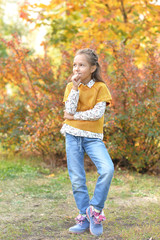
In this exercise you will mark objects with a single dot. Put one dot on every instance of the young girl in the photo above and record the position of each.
(86, 97)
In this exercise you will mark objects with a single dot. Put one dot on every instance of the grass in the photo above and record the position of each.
(36, 203)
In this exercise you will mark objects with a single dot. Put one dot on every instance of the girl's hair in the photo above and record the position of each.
(93, 60)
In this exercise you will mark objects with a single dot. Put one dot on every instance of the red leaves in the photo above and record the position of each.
(23, 15)
(134, 135)
(40, 92)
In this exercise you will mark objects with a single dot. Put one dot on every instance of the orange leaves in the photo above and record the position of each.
(50, 175)
(23, 11)
(133, 135)
(110, 12)
(23, 15)
(135, 23)
(34, 110)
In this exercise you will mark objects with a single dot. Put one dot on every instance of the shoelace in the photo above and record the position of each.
(98, 217)
(80, 219)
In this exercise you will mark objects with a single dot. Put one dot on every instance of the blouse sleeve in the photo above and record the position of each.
(92, 114)
(72, 102)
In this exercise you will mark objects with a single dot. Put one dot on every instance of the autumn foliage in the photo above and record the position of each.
(132, 126)
(124, 34)
(133, 23)
(32, 115)
(31, 118)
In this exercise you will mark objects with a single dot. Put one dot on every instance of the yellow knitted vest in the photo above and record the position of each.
(88, 98)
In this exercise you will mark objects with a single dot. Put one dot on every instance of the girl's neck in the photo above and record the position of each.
(86, 81)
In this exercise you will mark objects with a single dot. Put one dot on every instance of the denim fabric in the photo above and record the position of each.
(96, 150)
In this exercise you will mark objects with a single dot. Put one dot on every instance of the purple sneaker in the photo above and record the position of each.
(95, 219)
(81, 226)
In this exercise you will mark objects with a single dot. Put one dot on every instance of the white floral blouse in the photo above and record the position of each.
(90, 115)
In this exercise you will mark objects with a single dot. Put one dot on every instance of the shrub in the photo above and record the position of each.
(31, 116)
(132, 126)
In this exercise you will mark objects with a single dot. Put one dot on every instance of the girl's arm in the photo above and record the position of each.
(72, 102)
(92, 114)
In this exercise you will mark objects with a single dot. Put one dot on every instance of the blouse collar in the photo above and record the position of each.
(89, 84)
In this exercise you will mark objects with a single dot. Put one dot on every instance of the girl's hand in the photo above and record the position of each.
(68, 116)
(76, 81)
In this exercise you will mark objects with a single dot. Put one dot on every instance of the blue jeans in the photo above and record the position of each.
(96, 150)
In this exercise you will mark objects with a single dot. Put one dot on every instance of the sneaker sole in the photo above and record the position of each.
(78, 232)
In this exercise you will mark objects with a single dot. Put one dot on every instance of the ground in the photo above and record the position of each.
(37, 204)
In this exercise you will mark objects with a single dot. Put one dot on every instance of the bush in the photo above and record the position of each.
(132, 127)
(31, 116)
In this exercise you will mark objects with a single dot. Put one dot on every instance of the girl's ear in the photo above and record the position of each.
(93, 68)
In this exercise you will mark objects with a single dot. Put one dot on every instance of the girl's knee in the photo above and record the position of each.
(112, 170)
(77, 182)
(107, 170)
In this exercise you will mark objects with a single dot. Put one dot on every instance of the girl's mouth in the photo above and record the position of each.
(78, 74)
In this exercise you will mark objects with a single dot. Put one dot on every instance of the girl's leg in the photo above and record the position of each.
(98, 153)
(75, 163)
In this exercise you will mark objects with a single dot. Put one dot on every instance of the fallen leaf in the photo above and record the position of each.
(50, 176)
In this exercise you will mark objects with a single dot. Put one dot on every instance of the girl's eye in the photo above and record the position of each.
(80, 65)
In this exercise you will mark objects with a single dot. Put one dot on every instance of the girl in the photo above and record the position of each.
(85, 100)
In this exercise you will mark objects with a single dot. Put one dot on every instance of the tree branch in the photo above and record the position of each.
(123, 12)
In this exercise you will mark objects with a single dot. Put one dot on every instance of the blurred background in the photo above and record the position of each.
(38, 40)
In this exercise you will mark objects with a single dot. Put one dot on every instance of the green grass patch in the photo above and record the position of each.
(37, 203)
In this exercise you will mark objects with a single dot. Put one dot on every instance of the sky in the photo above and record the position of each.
(11, 15)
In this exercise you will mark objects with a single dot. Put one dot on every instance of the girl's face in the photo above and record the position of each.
(83, 68)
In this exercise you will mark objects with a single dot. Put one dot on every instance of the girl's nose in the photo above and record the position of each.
(77, 67)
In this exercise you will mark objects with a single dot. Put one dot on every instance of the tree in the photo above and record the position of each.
(133, 23)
